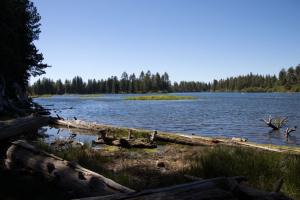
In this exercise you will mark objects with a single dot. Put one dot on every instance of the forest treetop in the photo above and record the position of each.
(287, 80)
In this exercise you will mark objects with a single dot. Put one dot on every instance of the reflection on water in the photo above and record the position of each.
(51, 134)
(212, 114)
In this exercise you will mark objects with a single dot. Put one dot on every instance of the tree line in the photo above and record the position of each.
(145, 82)
(287, 80)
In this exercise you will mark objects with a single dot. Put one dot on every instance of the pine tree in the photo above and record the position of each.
(19, 57)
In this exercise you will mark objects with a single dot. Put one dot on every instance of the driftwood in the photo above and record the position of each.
(278, 184)
(192, 140)
(155, 136)
(127, 143)
(216, 188)
(102, 131)
(11, 128)
(133, 143)
(277, 123)
(185, 139)
(79, 124)
(288, 131)
(69, 176)
(192, 178)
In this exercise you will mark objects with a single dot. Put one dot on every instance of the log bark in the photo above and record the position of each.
(176, 138)
(102, 130)
(191, 140)
(69, 176)
(132, 143)
(182, 139)
(278, 184)
(11, 128)
(216, 188)
(79, 124)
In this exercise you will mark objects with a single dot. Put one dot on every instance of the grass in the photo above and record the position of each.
(129, 167)
(160, 97)
(135, 168)
(90, 96)
(41, 96)
(262, 168)
(85, 155)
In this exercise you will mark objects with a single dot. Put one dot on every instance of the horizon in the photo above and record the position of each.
(153, 73)
(194, 41)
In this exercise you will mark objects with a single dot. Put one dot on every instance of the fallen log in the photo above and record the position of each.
(175, 138)
(216, 188)
(192, 140)
(79, 124)
(181, 139)
(102, 130)
(14, 127)
(69, 176)
(132, 143)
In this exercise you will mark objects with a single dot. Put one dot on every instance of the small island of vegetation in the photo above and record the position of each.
(90, 96)
(160, 97)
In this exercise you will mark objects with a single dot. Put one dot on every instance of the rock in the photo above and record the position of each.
(98, 141)
(239, 139)
(121, 142)
(160, 164)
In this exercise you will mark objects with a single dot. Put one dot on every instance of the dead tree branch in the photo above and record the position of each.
(288, 131)
(276, 123)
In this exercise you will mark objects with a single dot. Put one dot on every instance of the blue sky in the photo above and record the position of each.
(190, 39)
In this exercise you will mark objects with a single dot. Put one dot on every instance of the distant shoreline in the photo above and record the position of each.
(92, 95)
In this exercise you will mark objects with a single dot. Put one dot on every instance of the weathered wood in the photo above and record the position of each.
(78, 124)
(153, 136)
(129, 135)
(192, 178)
(132, 143)
(175, 138)
(236, 139)
(276, 126)
(11, 128)
(102, 131)
(180, 139)
(69, 176)
(288, 131)
(193, 140)
(216, 188)
(278, 184)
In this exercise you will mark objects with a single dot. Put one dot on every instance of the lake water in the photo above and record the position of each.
(211, 114)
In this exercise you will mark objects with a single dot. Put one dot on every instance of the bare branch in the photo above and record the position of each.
(276, 123)
(288, 131)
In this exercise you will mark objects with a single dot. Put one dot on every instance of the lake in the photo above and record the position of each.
(211, 114)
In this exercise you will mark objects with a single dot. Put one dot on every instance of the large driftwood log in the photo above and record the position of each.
(71, 177)
(11, 128)
(102, 130)
(132, 143)
(216, 188)
(182, 139)
(79, 124)
(174, 138)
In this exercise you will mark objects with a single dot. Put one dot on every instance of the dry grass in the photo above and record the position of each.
(137, 168)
